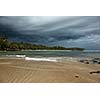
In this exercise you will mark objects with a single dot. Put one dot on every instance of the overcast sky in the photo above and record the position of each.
(68, 31)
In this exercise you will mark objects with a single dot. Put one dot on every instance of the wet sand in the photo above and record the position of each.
(21, 71)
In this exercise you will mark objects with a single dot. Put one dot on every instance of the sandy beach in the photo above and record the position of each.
(21, 71)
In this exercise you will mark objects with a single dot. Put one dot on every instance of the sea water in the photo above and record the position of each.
(51, 54)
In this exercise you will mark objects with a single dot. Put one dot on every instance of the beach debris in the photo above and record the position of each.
(94, 72)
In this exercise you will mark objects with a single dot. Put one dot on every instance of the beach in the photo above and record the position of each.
(19, 70)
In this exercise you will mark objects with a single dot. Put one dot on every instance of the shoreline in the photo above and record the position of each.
(40, 58)
(49, 58)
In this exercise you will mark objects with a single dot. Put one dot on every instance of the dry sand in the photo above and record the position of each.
(21, 71)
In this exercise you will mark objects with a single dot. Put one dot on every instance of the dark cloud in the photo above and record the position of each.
(65, 31)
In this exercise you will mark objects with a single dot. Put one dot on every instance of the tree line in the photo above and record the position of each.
(6, 45)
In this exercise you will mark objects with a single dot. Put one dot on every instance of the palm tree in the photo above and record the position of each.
(4, 43)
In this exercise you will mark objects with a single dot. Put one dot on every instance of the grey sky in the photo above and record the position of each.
(68, 31)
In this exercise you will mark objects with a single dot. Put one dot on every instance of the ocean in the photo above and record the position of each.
(53, 54)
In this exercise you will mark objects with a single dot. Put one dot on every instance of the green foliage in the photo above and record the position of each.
(15, 46)
(4, 44)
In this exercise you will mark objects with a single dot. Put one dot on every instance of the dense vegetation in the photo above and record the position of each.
(6, 45)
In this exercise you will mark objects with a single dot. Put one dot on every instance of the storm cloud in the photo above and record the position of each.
(68, 31)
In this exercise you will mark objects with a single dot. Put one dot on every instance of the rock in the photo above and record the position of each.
(98, 62)
(98, 72)
(93, 61)
(94, 72)
(82, 61)
(86, 61)
(91, 72)
(77, 76)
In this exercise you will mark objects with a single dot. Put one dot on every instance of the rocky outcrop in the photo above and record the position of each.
(92, 61)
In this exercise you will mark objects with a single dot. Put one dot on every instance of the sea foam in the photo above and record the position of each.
(18, 56)
(41, 59)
